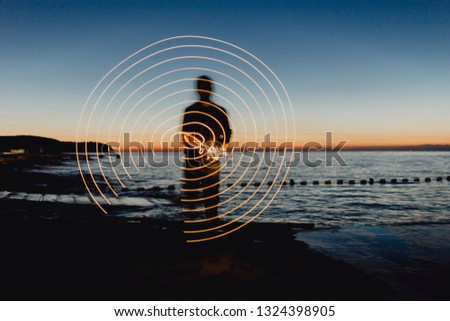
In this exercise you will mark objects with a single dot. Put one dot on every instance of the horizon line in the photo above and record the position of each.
(297, 146)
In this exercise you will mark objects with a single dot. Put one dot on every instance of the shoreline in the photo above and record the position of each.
(70, 250)
(55, 251)
(412, 258)
(109, 258)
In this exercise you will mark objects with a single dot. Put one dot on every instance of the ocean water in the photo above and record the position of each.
(325, 205)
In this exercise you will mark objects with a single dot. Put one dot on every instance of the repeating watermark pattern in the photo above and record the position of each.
(115, 154)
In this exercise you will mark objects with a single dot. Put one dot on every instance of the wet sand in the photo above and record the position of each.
(413, 259)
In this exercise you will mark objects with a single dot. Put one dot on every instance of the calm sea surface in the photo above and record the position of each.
(326, 205)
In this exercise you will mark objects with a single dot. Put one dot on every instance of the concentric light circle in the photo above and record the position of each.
(137, 107)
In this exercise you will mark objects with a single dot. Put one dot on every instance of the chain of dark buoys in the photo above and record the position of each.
(292, 182)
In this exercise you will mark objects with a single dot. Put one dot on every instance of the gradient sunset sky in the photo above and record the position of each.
(373, 72)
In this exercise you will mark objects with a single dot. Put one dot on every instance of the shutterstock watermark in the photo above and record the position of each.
(185, 147)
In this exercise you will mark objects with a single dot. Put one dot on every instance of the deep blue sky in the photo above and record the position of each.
(371, 71)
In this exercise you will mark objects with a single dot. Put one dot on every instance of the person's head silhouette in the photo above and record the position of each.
(204, 87)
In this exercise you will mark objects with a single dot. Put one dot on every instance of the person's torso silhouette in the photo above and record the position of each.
(205, 129)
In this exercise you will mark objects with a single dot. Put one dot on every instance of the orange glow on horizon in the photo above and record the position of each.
(354, 140)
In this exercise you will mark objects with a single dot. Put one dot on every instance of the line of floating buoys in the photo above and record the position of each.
(370, 181)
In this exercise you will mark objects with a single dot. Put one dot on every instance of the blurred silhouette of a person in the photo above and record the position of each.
(206, 131)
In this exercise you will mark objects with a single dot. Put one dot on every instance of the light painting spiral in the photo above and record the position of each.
(137, 108)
